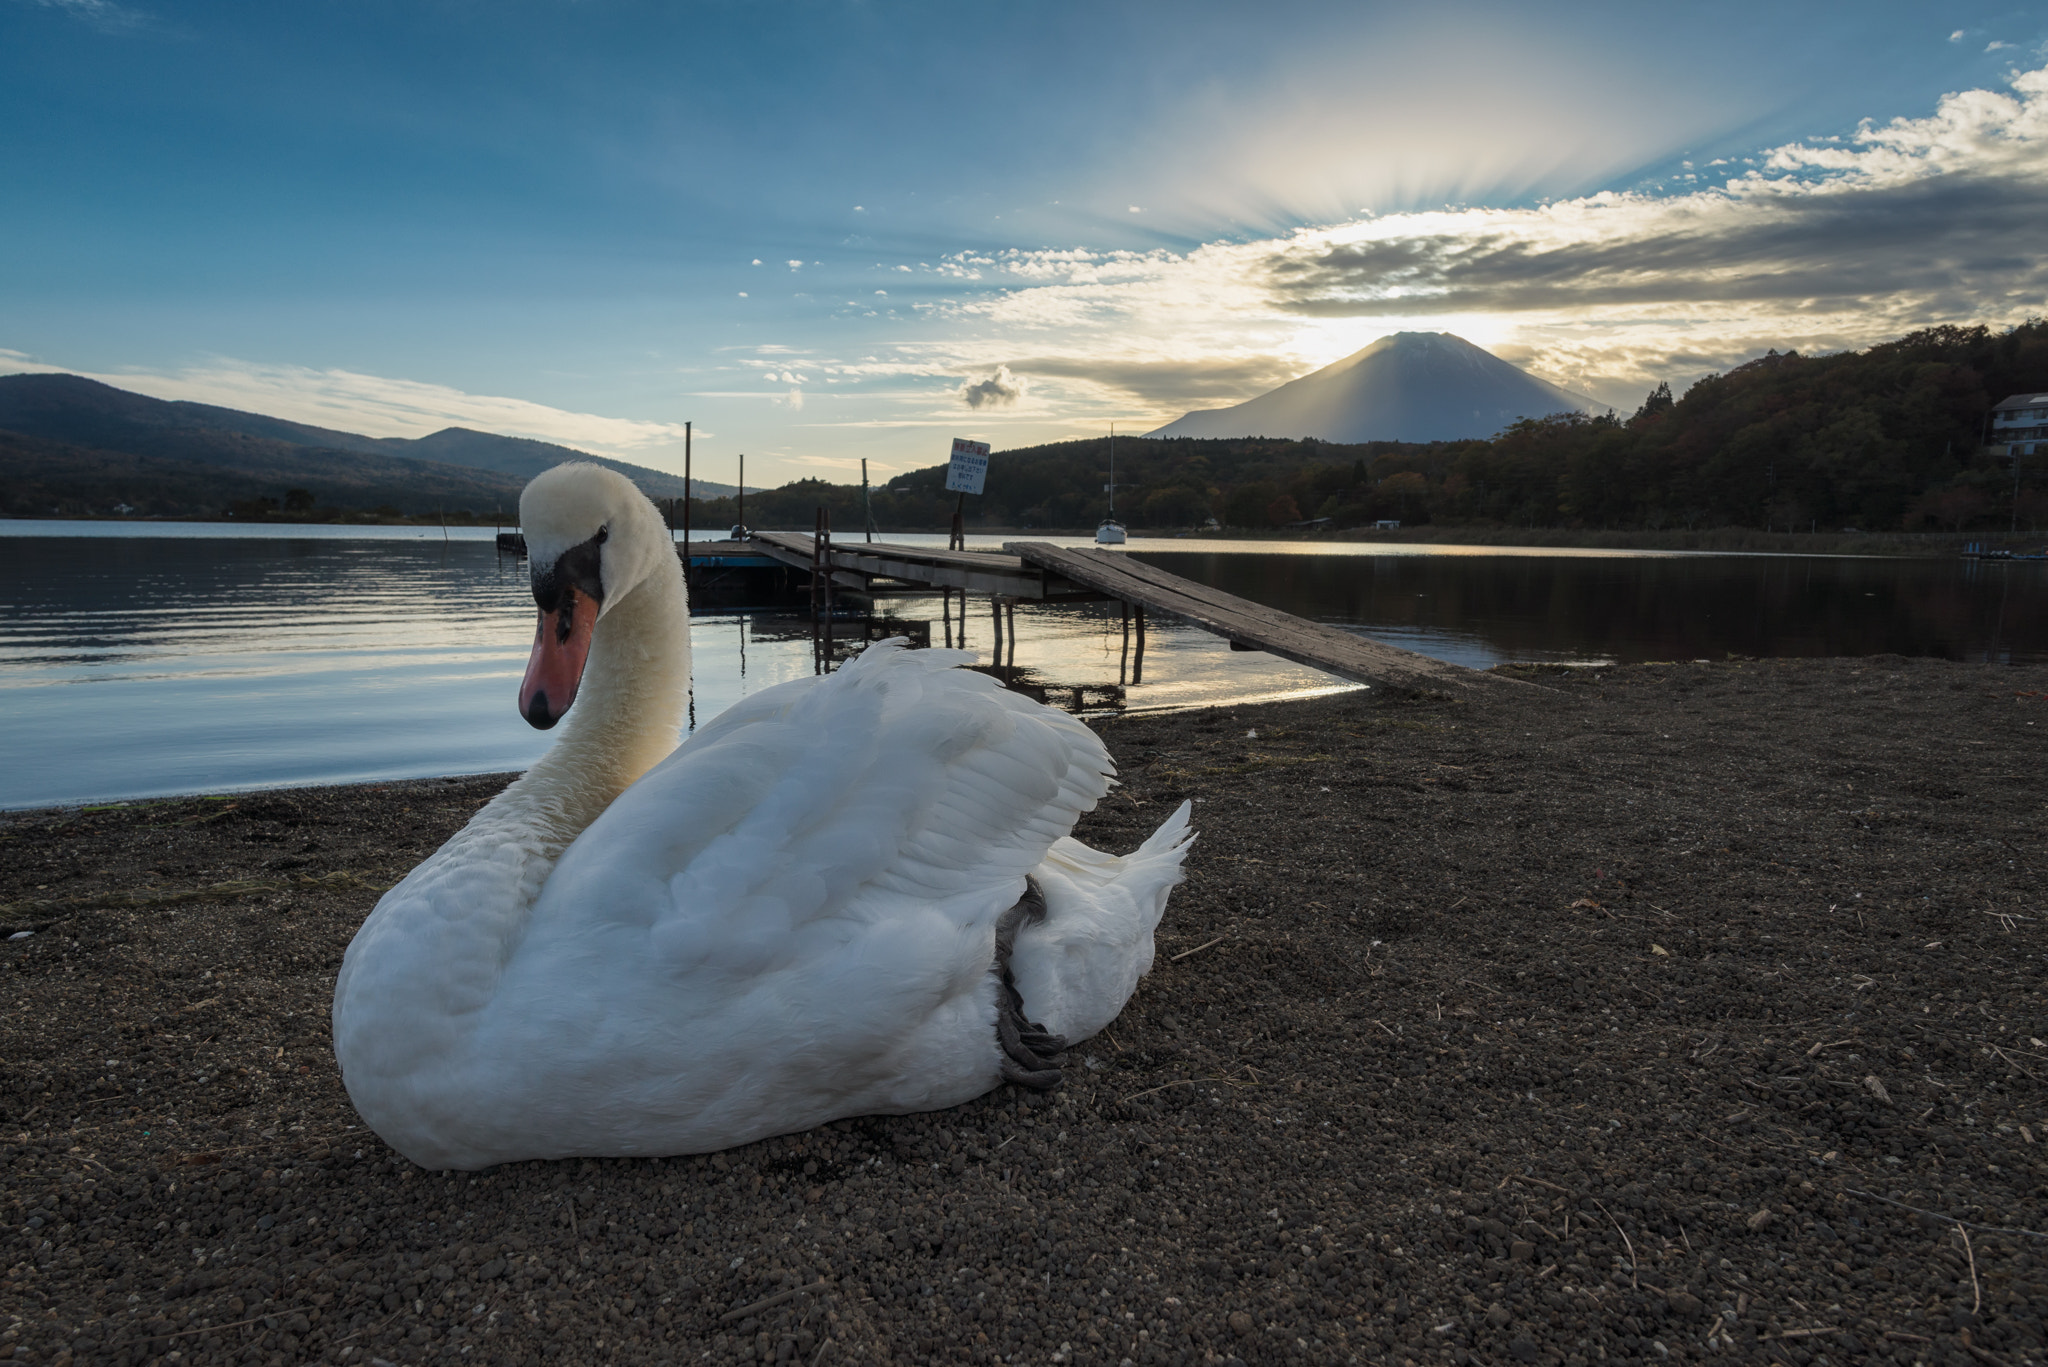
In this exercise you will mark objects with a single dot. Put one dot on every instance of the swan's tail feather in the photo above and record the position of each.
(1077, 967)
(1173, 836)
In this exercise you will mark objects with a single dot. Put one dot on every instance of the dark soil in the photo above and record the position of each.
(1674, 1012)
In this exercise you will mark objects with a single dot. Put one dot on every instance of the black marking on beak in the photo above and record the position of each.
(576, 570)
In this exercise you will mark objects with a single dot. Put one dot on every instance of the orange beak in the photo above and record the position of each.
(561, 646)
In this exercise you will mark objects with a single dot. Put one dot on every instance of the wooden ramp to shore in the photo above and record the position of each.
(1253, 626)
(1043, 571)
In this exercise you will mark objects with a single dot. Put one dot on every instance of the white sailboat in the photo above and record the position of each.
(1111, 532)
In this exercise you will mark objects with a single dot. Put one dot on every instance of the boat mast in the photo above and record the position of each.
(1112, 472)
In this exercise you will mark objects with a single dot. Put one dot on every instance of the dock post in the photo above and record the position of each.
(825, 555)
(817, 583)
(1010, 616)
(1123, 659)
(1138, 661)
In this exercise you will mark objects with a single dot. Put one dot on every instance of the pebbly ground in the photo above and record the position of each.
(1666, 1013)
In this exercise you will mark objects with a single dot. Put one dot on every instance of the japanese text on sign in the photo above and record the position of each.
(969, 468)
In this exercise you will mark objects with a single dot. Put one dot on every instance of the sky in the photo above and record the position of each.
(828, 230)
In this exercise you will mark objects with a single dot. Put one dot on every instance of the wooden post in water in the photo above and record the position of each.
(817, 583)
(1123, 659)
(825, 554)
(1138, 660)
(995, 611)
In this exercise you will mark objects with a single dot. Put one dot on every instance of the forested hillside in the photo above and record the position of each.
(1886, 439)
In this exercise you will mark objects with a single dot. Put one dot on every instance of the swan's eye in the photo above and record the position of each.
(604, 534)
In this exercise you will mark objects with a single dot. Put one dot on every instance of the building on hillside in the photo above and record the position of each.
(2019, 426)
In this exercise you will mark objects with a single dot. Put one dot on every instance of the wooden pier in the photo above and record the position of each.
(1039, 570)
(1254, 626)
(858, 564)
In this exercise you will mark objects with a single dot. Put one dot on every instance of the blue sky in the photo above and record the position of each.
(824, 231)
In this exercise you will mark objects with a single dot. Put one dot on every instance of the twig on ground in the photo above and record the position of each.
(770, 1302)
(1980, 1354)
(1634, 1285)
(213, 1328)
(2015, 1063)
(368, 1328)
(1179, 1082)
(1197, 949)
(1976, 1291)
(1519, 1177)
(1939, 1215)
(215, 1155)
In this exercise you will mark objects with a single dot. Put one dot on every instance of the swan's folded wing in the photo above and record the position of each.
(872, 822)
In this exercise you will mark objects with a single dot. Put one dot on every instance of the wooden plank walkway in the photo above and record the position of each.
(1253, 625)
(855, 563)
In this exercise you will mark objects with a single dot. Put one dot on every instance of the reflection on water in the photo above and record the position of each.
(1483, 610)
(134, 666)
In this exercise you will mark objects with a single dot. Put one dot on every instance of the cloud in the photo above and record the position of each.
(1000, 390)
(380, 407)
(1173, 384)
(1822, 244)
(103, 15)
(1915, 216)
(1956, 37)
(1997, 45)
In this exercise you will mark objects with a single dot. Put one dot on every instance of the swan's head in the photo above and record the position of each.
(591, 538)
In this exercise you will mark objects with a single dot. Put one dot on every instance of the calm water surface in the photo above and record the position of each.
(144, 659)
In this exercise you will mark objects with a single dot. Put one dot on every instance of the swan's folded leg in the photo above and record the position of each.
(1030, 1051)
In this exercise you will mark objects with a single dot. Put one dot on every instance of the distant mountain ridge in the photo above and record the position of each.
(1408, 386)
(452, 466)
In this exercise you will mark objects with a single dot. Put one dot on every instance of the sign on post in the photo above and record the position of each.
(969, 469)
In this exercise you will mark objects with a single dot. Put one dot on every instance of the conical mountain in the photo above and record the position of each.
(1410, 386)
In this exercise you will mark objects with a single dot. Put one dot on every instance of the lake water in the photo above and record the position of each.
(142, 660)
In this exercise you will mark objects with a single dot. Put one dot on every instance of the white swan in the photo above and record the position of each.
(639, 948)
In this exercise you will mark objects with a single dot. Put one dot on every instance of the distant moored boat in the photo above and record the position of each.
(1111, 532)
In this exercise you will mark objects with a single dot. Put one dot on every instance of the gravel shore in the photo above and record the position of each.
(1687, 1012)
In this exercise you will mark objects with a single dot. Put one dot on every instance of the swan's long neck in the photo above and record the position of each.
(429, 959)
(627, 716)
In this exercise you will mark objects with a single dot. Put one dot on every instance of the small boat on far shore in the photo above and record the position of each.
(1111, 532)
